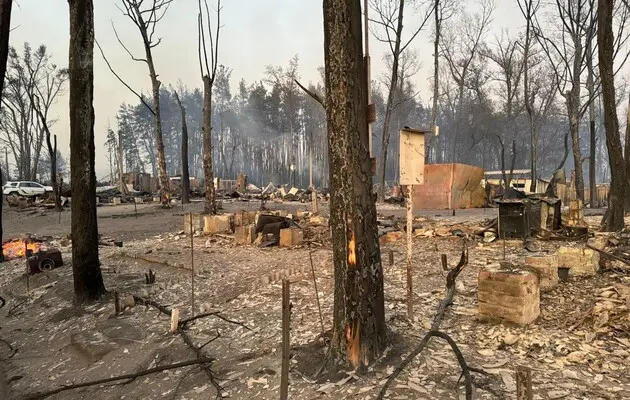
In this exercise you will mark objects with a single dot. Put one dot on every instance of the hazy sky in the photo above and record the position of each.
(255, 33)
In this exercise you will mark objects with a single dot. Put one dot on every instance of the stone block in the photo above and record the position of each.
(510, 295)
(217, 223)
(243, 218)
(547, 268)
(116, 201)
(197, 223)
(581, 261)
(291, 237)
(245, 234)
(93, 345)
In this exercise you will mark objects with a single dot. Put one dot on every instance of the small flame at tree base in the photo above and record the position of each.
(16, 248)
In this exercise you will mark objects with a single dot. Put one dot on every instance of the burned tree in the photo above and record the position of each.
(390, 21)
(613, 220)
(184, 149)
(145, 18)
(88, 281)
(359, 314)
(442, 11)
(208, 73)
(5, 29)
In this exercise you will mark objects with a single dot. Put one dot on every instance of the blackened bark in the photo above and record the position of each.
(210, 206)
(184, 157)
(359, 312)
(627, 157)
(436, 81)
(88, 281)
(605, 39)
(5, 29)
(52, 153)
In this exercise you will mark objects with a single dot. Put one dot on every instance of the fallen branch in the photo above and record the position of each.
(184, 322)
(149, 371)
(185, 338)
(614, 257)
(418, 350)
(450, 288)
(437, 321)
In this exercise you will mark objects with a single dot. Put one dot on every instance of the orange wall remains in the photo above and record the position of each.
(449, 186)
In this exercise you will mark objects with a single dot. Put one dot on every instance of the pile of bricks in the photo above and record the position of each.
(508, 294)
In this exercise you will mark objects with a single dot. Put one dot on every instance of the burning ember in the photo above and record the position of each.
(16, 248)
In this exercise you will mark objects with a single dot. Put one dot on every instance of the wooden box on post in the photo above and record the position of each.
(412, 156)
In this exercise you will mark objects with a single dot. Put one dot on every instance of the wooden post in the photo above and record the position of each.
(444, 262)
(524, 383)
(286, 344)
(314, 200)
(391, 257)
(135, 206)
(174, 319)
(117, 308)
(319, 307)
(310, 162)
(409, 253)
(192, 267)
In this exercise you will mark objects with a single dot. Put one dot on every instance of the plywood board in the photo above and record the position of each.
(411, 157)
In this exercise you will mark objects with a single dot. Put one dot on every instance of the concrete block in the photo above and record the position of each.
(582, 261)
(547, 268)
(116, 201)
(245, 234)
(291, 237)
(217, 223)
(156, 199)
(510, 295)
(243, 218)
(138, 200)
(197, 223)
(93, 345)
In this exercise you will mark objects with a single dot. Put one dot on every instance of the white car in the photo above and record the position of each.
(25, 188)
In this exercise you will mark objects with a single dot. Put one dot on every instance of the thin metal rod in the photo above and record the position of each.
(192, 267)
(319, 307)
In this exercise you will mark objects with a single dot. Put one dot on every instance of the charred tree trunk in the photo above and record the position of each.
(88, 281)
(121, 165)
(5, 29)
(184, 158)
(605, 39)
(210, 206)
(52, 153)
(627, 158)
(436, 89)
(359, 313)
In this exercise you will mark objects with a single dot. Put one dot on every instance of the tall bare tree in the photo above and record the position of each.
(33, 84)
(208, 70)
(389, 20)
(509, 62)
(442, 11)
(566, 53)
(184, 150)
(5, 29)
(86, 270)
(613, 220)
(145, 15)
(359, 312)
(461, 45)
